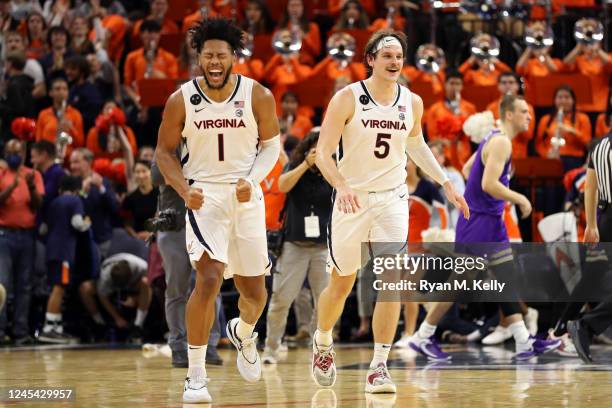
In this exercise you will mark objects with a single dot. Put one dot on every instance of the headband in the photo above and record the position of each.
(387, 41)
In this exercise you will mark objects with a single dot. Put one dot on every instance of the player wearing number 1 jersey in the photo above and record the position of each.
(229, 128)
(372, 124)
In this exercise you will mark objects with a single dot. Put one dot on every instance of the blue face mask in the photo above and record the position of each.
(13, 160)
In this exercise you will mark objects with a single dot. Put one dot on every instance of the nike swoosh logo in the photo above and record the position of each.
(199, 110)
(366, 109)
(403, 195)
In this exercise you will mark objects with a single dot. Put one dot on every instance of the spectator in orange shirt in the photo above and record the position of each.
(274, 199)
(445, 118)
(509, 84)
(535, 65)
(138, 65)
(159, 8)
(36, 33)
(205, 10)
(21, 191)
(108, 29)
(249, 66)
(256, 19)
(593, 62)
(353, 15)
(285, 69)
(575, 129)
(291, 121)
(604, 120)
(55, 119)
(111, 137)
(482, 72)
(413, 74)
(295, 20)
(393, 11)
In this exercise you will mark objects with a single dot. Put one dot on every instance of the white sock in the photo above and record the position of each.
(244, 330)
(53, 321)
(98, 318)
(381, 353)
(519, 331)
(426, 330)
(324, 338)
(141, 315)
(197, 360)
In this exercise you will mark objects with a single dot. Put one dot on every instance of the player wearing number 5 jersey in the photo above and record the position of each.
(371, 125)
(227, 124)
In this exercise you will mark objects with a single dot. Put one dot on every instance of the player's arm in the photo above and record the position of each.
(264, 110)
(591, 233)
(168, 140)
(340, 110)
(498, 152)
(422, 156)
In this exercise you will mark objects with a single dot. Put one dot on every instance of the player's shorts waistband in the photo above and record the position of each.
(380, 192)
(219, 183)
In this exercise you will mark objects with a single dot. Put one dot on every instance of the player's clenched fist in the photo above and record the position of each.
(243, 191)
(194, 199)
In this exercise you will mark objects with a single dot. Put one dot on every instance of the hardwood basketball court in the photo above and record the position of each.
(478, 376)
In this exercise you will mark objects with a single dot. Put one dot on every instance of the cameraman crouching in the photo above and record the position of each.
(170, 228)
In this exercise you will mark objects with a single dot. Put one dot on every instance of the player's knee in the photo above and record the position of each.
(339, 288)
(87, 288)
(255, 295)
(208, 282)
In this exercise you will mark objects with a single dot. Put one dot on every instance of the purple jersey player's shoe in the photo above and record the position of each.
(534, 347)
(428, 347)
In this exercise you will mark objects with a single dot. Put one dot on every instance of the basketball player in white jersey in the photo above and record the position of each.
(372, 124)
(229, 127)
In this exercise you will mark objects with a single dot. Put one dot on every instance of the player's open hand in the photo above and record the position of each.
(347, 200)
(243, 191)
(194, 199)
(456, 199)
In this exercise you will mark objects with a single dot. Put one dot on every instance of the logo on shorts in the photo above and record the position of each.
(195, 99)
(190, 248)
(364, 99)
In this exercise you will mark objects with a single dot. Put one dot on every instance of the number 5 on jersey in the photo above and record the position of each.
(381, 149)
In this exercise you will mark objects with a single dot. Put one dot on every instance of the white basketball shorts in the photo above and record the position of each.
(230, 232)
(382, 221)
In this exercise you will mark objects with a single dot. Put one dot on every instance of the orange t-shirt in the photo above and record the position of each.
(355, 71)
(274, 199)
(311, 44)
(598, 74)
(521, 140)
(46, 126)
(117, 26)
(36, 49)
(16, 211)
(413, 74)
(94, 146)
(420, 211)
(481, 77)
(601, 127)
(301, 126)
(280, 75)
(253, 68)
(574, 144)
(399, 24)
(168, 27)
(193, 18)
(534, 71)
(511, 222)
(136, 65)
(458, 151)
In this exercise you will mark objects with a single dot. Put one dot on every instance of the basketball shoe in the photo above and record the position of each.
(378, 380)
(534, 347)
(428, 347)
(248, 361)
(323, 365)
(196, 390)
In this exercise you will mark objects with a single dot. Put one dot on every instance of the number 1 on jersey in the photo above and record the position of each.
(221, 152)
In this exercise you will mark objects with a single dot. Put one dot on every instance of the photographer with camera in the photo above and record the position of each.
(170, 227)
(304, 252)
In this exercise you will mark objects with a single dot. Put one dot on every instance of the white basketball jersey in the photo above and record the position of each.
(372, 150)
(221, 137)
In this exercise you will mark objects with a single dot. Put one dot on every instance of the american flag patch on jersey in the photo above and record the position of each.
(401, 108)
(238, 104)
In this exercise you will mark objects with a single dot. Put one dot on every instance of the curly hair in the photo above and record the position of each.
(216, 29)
